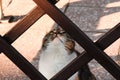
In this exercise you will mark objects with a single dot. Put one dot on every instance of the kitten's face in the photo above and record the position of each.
(59, 34)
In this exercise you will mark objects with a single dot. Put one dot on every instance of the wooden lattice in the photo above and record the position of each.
(92, 50)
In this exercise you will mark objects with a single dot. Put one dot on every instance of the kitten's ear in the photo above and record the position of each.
(54, 27)
(60, 28)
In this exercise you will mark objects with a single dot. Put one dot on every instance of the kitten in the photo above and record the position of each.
(58, 51)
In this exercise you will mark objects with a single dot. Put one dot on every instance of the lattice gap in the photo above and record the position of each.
(93, 49)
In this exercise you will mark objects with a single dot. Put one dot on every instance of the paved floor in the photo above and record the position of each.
(94, 17)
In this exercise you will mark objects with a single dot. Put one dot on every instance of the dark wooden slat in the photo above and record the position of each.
(24, 24)
(73, 67)
(20, 61)
(53, 1)
(80, 37)
(109, 37)
(13, 34)
(83, 59)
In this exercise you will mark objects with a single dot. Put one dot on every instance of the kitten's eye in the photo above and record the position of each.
(62, 32)
(52, 32)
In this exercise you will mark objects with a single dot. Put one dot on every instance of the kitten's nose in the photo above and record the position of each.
(56, 41)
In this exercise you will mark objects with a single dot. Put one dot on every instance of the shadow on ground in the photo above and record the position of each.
(86, 14)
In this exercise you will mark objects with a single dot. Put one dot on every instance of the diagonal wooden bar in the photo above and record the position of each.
(80, 37)
(24, 24)
(83, 59)
(13, 34)
(109, 37)
(20, 61)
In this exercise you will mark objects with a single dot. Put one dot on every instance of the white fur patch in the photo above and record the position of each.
(54, 58)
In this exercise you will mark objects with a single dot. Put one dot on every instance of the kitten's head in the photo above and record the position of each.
(60, 35)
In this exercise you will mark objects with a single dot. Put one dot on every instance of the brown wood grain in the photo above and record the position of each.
(80, 38)
(24, 24)
(20, 61)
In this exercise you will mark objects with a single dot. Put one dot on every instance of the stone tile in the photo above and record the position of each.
(95, 22)
(87, 3)
(27, 44)
(91, 3)
(18, 7)
(88, 18)
(85, 18)
(89, 15)
(62, 3)
(99, 72)
(109, 18)
(113, 50)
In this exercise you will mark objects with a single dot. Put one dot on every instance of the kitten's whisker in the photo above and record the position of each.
(60, 39)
